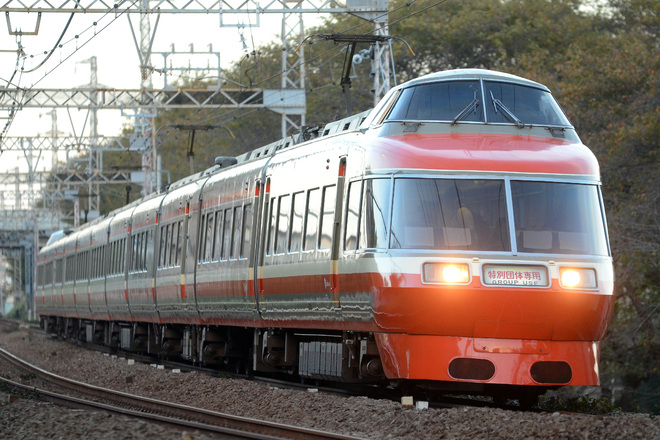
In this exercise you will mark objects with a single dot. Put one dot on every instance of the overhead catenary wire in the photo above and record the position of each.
(336, 49)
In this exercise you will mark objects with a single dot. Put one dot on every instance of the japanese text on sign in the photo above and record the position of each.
(513, 277)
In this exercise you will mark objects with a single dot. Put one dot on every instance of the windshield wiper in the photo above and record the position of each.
(466, 111)
(508, 113)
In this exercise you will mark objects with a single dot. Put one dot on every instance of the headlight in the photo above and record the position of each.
(577, 278)
(446, 273)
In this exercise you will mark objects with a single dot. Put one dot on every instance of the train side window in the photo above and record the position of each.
(173, 246)
(92, 265)
(282, 224)
(58, 271)
(118, 266)
(217, 240)
(177, 244)
(226, 235)
(104, 250)
(113, 258)
(312, 219)
(137, 247)
(69, 264)
(143, 260)
(117, 257)
(49, 273)
(97, 266)
(122, 256)
(208, 245)
(247, 230)
(202, 241)
(140, 252)
(352, 215)
(217, 218)
(87, 270)
(271, 227)
(327, 216)
(375, 214)
(295, 240)
(161, 247)
(236, 231)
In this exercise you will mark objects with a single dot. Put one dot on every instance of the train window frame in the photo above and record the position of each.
(282, 224)
(59, 266)
(217, 217)
(595, 243)
(237, 224)
(172, 237)
(383, 113)
(298, 206)
(327, 218)
(272, 208)
(448, 236)
(309, 242)
(49, 273)
(218, 237)
(352, 215)
(162, 245)
(246, 234)
(407, 95)
(202, 238)
(227, 228)
(381, 242)
(550, 104)
(69, 264)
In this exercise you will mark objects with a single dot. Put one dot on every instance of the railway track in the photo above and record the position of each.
(182, 416)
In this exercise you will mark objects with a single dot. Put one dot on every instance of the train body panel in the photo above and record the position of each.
(65, 280)
(455, 233)
(83, 264)
(141, 293)
(170, 282)
(223, 269)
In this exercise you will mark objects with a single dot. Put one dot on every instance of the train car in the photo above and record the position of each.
(453, 238)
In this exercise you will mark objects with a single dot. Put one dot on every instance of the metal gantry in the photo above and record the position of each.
(145, 102)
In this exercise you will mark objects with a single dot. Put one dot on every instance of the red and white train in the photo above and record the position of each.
(453, 237)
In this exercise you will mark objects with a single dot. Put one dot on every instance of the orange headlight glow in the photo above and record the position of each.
(446, 273)
(577, 278)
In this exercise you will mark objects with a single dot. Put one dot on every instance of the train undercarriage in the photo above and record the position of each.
(349, 357)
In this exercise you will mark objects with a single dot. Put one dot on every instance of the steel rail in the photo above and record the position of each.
(161, 411)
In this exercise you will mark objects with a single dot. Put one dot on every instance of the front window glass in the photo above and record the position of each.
(558, 218)
(461, 101)
(506, 103)
(442, 101)
(449, 214)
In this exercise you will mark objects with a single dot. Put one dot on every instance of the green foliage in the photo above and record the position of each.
(578, 404)
(19, 311)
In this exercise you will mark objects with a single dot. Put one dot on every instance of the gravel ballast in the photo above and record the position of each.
(357, 416)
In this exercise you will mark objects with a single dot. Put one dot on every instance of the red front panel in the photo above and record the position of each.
(429, 357)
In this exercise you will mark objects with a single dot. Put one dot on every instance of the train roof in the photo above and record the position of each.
(472, 74)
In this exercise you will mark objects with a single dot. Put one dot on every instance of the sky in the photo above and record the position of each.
(111, 41)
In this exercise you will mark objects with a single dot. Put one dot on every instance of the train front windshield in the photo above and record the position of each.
(475, 101)
(472, 214)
